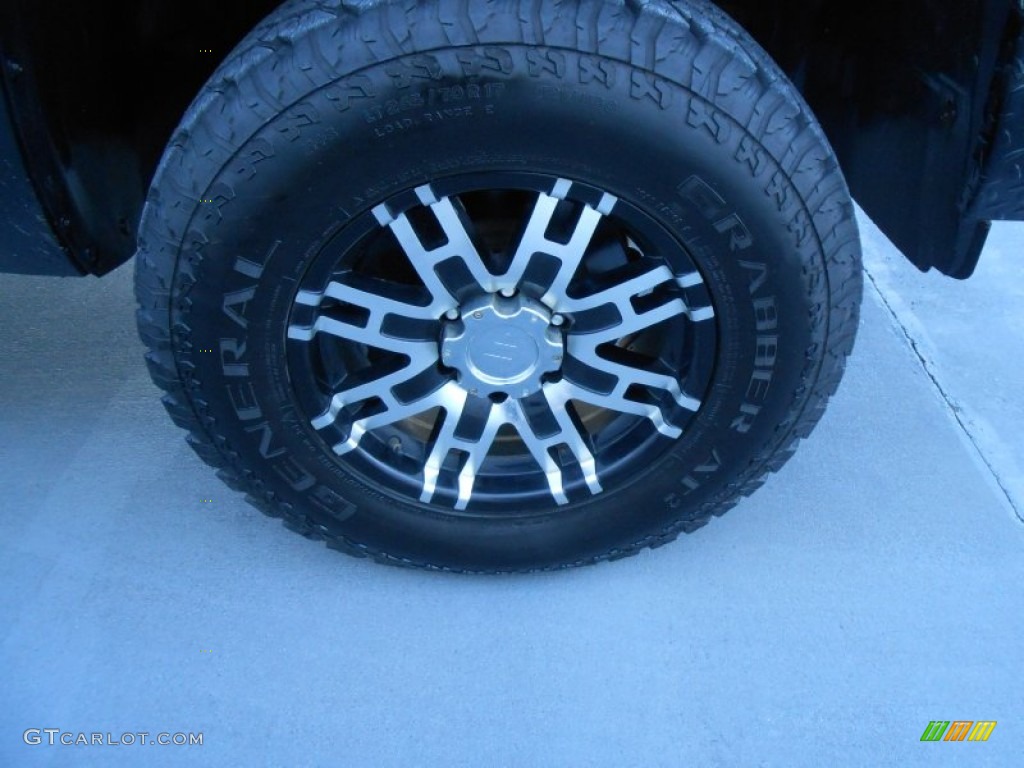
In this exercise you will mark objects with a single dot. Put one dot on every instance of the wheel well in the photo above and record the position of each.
(910, 94)
(97, 89)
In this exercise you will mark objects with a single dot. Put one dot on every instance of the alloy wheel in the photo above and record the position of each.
(501, 342)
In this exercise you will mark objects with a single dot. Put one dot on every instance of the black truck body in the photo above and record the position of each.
(921, 99)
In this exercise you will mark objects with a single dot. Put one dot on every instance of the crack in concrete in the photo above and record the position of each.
(950, 403)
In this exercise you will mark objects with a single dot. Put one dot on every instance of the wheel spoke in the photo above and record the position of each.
(583, 345)
(628, 376)
(509, 412)
(421, 354)
(620, 294)
(377, 388)
(394, 412)
(374, 302)
(448, 440)
(425, 261)
(558, 395)
(569, 254)
(456, 416)
(538, 448)
(372, 334)
(573, 391)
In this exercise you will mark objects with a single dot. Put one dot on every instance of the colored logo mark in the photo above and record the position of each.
(958, 730)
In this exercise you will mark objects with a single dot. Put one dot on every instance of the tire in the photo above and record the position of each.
(345, 201)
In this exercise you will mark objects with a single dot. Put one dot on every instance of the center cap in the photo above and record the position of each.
(502, 345)
(504, 355)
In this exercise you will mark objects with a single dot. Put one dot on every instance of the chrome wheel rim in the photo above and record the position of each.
(500, 343)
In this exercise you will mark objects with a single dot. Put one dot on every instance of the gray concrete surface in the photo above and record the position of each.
(874, 585)
(969, 337)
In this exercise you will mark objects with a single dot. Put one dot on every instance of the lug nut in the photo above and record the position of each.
(452, 314)
(557, 320)
(508, 293)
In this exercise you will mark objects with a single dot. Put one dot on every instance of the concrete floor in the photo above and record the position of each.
(874, 585)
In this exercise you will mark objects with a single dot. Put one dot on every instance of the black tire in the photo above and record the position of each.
(321, 115)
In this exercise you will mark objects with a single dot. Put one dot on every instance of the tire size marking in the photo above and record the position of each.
(433, 105)
(457, 94)
(573, 97)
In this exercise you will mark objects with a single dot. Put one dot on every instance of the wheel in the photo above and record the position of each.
(497, 287)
